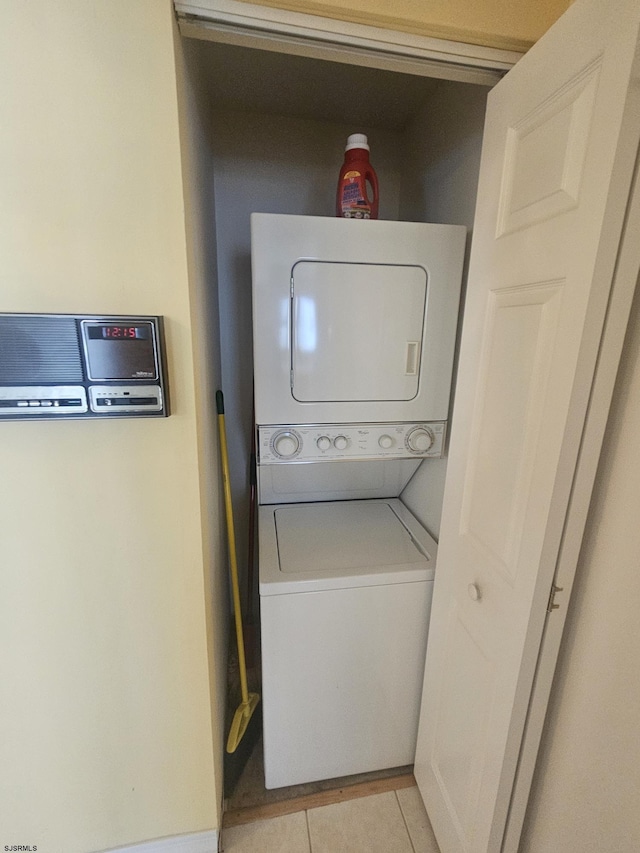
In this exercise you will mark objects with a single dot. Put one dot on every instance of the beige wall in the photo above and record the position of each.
(586, 790)
(495, 23)
(105, 706)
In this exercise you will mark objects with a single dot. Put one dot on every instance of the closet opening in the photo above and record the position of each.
(270, 131)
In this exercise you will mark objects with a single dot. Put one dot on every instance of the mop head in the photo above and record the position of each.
(241, 720)
(236, 762)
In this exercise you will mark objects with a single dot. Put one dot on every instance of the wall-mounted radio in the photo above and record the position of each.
(81, 366)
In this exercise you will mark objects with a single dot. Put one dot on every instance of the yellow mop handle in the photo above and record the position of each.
(232, 547)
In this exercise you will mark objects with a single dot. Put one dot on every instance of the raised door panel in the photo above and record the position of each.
(514, 372)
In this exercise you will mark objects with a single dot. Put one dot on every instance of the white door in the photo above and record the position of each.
(560, 146)
(356, 331)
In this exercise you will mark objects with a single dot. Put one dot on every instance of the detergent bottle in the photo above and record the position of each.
(353, 199)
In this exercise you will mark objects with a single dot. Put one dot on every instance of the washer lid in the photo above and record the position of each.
(340, 544)
(348, 538)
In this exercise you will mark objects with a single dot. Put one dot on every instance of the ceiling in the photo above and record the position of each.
(271, 82)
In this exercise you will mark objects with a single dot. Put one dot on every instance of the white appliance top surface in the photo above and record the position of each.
(339, 544)
(349, 538)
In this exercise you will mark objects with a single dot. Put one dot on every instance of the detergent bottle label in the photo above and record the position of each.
(354, 203)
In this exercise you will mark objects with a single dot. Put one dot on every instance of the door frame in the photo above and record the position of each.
(281, 31)
(249, 25)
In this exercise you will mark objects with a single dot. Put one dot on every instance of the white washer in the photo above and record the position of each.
(345, 591)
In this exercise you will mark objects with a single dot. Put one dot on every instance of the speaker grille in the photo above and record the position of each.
(39, 349)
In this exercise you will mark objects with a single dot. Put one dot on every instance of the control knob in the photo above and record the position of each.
(340, 442)
(324, 442)
(420, 439)
(286, 444)
(385, 441)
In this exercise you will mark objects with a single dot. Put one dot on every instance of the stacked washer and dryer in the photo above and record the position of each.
(354, 336)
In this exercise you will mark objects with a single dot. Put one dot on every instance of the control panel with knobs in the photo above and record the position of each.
(326, 442)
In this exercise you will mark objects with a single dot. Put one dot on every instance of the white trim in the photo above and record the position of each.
(193, 842)
(311, 35)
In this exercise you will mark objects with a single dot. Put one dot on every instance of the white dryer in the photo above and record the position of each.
(354, 320)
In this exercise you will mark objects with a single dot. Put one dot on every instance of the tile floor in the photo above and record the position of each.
(393, 822)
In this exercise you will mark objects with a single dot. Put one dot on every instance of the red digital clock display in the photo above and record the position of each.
(118, 333)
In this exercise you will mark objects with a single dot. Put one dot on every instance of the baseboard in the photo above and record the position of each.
(194, 842)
